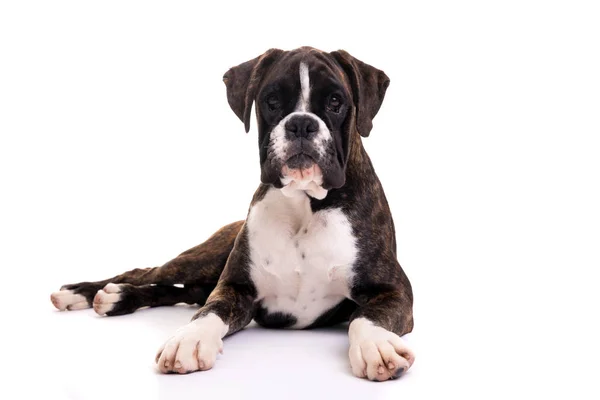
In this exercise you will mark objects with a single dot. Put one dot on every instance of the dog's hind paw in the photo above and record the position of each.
(75, 296)
(69, 300)
(107, 298)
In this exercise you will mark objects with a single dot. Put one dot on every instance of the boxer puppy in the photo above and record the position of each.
(318, 245)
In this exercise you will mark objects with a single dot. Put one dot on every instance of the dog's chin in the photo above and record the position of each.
(301, 174)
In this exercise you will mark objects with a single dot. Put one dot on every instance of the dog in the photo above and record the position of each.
(318, 245)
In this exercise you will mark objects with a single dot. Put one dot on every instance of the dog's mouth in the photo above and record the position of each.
(301, 167)
(300, 161)
(300, 174)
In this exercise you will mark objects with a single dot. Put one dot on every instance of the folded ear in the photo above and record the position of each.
(368, 89)
(243, 81)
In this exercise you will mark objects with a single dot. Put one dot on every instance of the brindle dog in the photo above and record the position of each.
(318, 246)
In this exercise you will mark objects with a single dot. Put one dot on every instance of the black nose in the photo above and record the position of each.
(301, 126)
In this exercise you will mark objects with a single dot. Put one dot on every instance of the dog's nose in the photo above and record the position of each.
(302, 126)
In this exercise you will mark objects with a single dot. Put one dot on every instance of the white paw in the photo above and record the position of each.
(105, 299)
(194, 347)
(67, 300)
(376, 353)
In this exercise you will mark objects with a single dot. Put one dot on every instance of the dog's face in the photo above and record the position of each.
(308, 104)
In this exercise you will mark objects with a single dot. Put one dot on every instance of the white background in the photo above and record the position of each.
(118, 150)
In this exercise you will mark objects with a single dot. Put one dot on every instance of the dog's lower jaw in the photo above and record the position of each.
(298, 181)
(294, 189)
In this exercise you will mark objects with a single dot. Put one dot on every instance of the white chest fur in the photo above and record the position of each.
(301, 262)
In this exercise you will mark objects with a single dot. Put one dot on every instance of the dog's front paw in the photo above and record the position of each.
(194, 347)
(376, 353)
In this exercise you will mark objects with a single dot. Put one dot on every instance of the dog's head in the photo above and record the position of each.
(309, 104)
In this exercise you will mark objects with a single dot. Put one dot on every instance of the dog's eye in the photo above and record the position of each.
(334, 103)
(273, 103)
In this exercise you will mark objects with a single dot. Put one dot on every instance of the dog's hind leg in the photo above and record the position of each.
(199, 266)
(123, 298)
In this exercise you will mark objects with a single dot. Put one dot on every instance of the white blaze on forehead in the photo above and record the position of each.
(304, 88)
(294, 181)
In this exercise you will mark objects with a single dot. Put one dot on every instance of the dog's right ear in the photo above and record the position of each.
(243, 81)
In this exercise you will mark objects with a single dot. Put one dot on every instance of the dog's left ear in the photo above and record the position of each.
(243, 81)
(368, 89)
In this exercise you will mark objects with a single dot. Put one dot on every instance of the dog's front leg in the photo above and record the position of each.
(194, 347)
(229, 308)
(376, 350)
